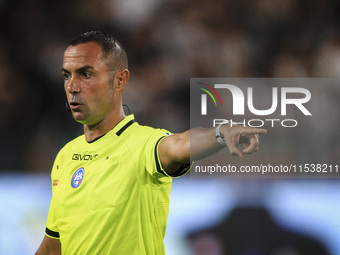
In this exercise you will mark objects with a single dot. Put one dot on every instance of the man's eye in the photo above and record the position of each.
(86, 75)
(66, 76)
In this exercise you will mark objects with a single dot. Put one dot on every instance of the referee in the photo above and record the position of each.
(111, 186)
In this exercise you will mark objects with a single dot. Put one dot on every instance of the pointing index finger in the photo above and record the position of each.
(254, 131)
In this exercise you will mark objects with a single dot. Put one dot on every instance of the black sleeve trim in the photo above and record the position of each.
(52, 233)
(158, 165)
(183, 168)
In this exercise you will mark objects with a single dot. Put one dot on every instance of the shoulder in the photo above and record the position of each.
(130, 130)
(139, 133)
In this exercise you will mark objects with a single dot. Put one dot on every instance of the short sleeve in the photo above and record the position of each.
(51, 224)
(153, 163)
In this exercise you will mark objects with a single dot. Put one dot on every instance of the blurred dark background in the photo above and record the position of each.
(167, 42)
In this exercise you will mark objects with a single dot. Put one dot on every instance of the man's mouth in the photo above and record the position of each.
(75, 105)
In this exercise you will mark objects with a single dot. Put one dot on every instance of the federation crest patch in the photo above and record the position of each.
(77, 178)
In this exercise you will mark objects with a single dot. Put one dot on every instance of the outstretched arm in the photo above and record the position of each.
(175, 150)
(49, 246)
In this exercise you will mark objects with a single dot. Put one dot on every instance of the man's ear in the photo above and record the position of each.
(121, 79)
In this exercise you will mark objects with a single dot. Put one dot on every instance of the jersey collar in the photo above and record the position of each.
(124, 124)
(119, 128)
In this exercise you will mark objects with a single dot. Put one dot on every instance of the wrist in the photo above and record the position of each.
(219, 136)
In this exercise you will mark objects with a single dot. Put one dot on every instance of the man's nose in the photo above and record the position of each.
(73, 86)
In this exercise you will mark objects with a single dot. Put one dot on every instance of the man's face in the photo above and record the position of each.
(88, 87)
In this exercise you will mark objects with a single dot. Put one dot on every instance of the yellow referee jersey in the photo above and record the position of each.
(111, 196)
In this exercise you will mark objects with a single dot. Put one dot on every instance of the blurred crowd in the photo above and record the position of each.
(167, 42)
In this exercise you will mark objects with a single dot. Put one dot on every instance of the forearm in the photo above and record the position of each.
(181, 148)
(198, 143)
(194, 144)
(49, 246)
(42, 251)
(203, 143)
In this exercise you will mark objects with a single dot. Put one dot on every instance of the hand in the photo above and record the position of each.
(248, 137)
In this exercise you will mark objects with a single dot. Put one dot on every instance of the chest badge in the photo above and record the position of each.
(77, 178)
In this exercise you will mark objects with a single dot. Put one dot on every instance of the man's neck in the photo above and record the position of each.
(94, 132)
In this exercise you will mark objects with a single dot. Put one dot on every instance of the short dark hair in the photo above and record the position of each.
(110, 47)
